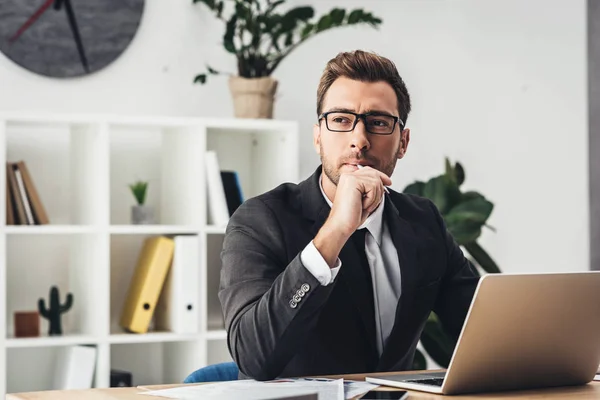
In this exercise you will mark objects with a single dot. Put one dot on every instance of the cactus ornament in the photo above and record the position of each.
(55, 309)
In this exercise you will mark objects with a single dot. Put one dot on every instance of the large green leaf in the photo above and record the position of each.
(436, 342)
(482, 257)
(471, 195)
(443, 191)
(463, 231)
(477, 209)
(459, 173)
(455, 172)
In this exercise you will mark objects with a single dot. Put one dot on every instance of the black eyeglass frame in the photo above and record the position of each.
(364, 120)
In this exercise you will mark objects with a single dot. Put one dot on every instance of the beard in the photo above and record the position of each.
(332, 171)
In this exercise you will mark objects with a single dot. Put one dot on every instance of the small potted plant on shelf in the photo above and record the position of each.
(141, 213)
(260, 38)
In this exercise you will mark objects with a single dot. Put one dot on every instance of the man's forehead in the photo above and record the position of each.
(356, 96)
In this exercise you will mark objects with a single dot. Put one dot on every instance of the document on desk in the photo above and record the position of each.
(597, 377)
(255, 390)
(351, 388)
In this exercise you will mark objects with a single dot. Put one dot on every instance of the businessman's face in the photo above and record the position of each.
(341, 151)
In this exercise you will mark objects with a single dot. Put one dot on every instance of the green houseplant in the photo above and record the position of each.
(465, 215)
(141, 213)
(260, 37)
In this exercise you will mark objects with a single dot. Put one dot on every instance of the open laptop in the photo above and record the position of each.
(522, 331)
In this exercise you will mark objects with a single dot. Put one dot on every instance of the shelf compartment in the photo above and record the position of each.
(244, 150)
(158, 363)
(67, 165)
(74, 263)
(125, 253)
(170, 159)
(33, 369)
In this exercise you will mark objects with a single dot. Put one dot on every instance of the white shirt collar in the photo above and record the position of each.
(374, 222)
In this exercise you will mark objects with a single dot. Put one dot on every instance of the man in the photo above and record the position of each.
(339, 273)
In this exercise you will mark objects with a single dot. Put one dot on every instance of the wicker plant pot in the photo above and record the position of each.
(253, 97)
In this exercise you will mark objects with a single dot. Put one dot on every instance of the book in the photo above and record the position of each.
(23, 203)
(16, 197)
(39, 212)
(233, 190)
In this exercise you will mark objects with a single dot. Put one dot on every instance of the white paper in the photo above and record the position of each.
(597, 377)
(351, 388)
(254, 390)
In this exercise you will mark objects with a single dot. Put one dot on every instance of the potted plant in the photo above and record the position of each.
(141, 213)
(465, 215)
(260, 38)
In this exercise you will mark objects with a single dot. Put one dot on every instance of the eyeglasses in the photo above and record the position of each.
(375, 122)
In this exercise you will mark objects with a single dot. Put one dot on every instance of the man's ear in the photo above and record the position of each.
(317, 138)
(404, 139)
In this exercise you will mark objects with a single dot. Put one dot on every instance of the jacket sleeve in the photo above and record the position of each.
(458, 283)
(269, 303)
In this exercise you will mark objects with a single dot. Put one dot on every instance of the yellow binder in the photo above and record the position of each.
(146, 283)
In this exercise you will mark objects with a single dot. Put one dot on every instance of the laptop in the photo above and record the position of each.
(522, 331)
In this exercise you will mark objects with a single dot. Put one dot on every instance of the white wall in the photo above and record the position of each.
(499, 85)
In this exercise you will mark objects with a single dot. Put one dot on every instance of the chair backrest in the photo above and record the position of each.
(226, 371)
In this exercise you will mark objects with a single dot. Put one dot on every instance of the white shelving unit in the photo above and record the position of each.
(81, 166)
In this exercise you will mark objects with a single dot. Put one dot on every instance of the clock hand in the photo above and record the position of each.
(31, 20)
(73, 24)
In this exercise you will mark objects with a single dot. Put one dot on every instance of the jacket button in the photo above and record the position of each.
(293, 304)
(297, 299)
(305, 287)
(300, 293)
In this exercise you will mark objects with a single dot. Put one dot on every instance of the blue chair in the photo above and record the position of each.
(226, 371)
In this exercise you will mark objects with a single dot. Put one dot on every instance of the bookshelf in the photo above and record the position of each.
(81, 166)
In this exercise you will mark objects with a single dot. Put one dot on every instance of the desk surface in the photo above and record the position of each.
(589, 391)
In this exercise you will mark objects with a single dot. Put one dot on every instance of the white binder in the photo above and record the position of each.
(74, 367)
(178, 306)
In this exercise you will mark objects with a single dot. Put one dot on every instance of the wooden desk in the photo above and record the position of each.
(589, 391)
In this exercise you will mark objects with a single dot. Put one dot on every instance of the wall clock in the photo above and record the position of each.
(67, 38)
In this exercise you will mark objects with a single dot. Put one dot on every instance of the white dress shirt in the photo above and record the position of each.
(383, 263)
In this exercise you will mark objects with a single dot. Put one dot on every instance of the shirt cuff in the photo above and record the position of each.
(315, 263)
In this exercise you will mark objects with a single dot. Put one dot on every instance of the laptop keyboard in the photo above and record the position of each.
(428, 381)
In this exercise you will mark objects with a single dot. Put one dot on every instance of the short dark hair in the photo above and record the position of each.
(367, 67)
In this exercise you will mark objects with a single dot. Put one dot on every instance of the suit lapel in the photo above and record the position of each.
(404, 238)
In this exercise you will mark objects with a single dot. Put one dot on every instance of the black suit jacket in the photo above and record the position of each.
(331, 329)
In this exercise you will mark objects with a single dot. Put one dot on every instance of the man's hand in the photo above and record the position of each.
(357, 195)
